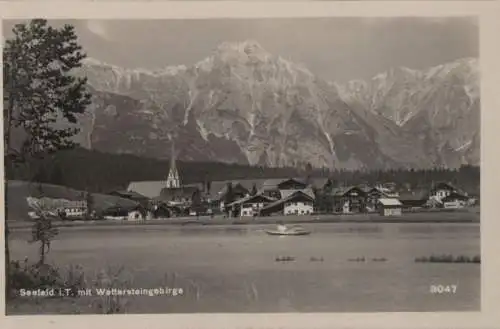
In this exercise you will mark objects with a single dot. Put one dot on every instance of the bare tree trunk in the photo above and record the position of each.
(8, 118)
(42, 252)
(7, 261)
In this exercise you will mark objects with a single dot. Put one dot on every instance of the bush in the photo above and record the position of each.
(24, 275)
(43, 276)
(32, 276)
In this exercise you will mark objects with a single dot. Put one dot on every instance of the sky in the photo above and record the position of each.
(336, 49)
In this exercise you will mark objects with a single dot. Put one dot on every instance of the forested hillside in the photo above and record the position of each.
(100, 172)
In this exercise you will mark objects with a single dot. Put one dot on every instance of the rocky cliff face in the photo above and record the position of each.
(242, 104)
(439, 106)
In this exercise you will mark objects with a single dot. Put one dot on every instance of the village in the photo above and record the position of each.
(256, 198)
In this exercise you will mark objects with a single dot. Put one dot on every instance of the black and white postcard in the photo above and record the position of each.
(244, 165)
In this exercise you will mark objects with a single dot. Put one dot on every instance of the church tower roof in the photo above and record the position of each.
(173, 179)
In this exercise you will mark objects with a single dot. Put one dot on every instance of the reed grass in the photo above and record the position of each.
(449, 259)
(284, 259)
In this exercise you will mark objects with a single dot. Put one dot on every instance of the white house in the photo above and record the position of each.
(455, 201)
(75, 212)
(455, 204)
(293, 202)
(390, 207)
(298, 207)
(298, 202)
(443, 190)
(135, 215)
(251, 209)
(56, 207)
(250, 205)
(447, 196)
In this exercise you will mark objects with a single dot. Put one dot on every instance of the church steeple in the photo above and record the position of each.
(173, 179)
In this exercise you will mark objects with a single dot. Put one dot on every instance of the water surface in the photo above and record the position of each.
(234, 268)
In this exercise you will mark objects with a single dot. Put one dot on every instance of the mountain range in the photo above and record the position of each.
(242, 104)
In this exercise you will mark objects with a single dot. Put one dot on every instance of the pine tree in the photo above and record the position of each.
(89, 200)
(254, 189)
(229, 196)
(208, 186)
(196, 200)
(40, 90)
(39, 87)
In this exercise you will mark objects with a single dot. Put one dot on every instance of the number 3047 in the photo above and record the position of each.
(443, 289)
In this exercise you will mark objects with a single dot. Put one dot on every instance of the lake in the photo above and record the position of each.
(234, 268)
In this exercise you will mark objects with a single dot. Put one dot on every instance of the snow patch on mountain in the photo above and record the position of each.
(247, 103)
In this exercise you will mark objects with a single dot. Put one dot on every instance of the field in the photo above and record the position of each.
(458, 216)
(229, 268)
(17, 191)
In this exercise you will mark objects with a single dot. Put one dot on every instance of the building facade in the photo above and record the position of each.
(389, 207)
(296, 206)
(299, 202)
(349, 200)
(455, 201)
(249, 206)
(373, 195)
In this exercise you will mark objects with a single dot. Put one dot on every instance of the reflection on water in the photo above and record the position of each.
(234, 268)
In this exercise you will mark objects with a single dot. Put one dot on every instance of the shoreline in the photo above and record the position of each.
(410, 218)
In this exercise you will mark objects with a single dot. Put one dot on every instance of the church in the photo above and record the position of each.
(170, 190)
(174, 192)
(173, 178)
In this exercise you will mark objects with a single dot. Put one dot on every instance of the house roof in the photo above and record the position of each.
(389, 202)
(287, 193)
(455, 196)
(218, 188)
(181, 192)
(250, 198)
(444, 185)
(129, 194)
(102, 204)
(273, 182)
(319, 182)
(449, 186)
(301, 181)
(235, 186)
(339, 191)
(384, 192)
(418, 194)
(150, 189)
(291, 197)
(117, 208)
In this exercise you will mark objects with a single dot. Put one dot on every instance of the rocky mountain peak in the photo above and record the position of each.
(243, 104)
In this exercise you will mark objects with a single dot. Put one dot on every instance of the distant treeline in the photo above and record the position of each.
(101, 172)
